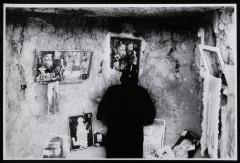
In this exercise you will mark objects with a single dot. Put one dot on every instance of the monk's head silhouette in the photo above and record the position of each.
(129, 78)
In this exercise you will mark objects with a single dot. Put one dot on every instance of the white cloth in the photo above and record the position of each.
(211, 106)
(53, 97)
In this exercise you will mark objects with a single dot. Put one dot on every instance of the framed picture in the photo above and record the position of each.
(125, 54)
(56, 146)
(187, 145)
(63, 66)
(212, 59)
(48, 67)
(81, 131)
(76, 66)
(153, 138)
(98, 139)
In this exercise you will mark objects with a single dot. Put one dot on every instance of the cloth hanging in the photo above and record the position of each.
(53, 97)
(211, 106)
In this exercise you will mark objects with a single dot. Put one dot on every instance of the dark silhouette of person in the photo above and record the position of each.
(125, 109)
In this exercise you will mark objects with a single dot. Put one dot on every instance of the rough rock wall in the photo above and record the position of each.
(221, 32)
(176, 91)
(171, 77)
(27, 123)
(224, 29)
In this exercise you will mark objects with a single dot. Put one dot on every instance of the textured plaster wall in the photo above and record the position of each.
(177, 96)
(225, 31)
(221, 32)
(27, 123)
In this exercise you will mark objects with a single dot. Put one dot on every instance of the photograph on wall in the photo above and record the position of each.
(56, 146)
(213, 63)
(81, 131)
(63, 66)
(153, 138)
(98, 139)
(213, 60)
(76, 66)
(187, 145)
(49, 67)
(125, 54)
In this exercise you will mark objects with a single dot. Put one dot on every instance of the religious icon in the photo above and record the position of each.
(212, 60)
(125, 54)
(49, 68)
(81, 132)
(63, 66)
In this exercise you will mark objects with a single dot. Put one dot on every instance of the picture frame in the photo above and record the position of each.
(153, 138)
(187, 138)
(65, 66)
(77, 68)
(98, 139)
(212, 59)
(81, 131)
(125, 54)
(56, 146)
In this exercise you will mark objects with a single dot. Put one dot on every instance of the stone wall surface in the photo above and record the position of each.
(27, 123)
(177, 93)
(224, 29)
(221, 32)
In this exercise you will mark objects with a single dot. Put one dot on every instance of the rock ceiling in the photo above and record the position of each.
(122, 11)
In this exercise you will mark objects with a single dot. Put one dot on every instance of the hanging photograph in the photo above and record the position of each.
(63, 66)
(81, 132)
(49, 67)
(212, 59)
(56, 146)
(125, 54)
(76, 66)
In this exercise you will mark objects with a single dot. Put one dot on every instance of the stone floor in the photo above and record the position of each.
(100, 153)
(90, 153)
